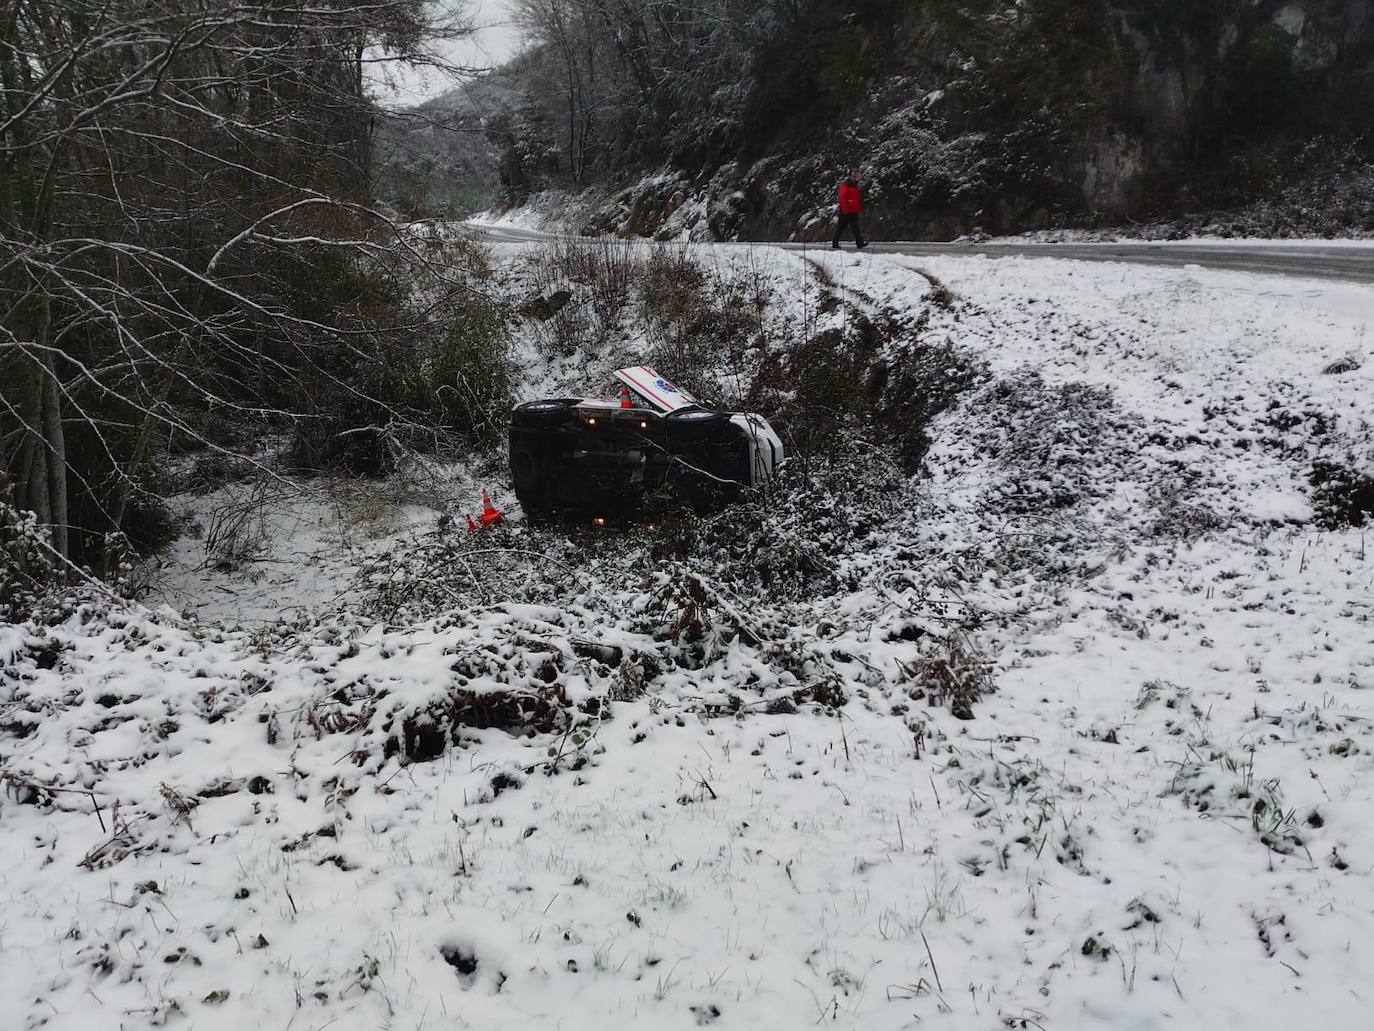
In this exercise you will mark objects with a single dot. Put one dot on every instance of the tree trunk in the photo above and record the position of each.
(42, 484)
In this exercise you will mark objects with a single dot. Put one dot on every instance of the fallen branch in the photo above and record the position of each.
(15, 781)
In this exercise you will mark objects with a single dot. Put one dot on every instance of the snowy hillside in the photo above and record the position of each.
(1072, 729)
(436, 156)
(1161, 119)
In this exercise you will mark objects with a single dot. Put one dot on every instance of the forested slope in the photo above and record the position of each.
(438, 156)
(967, 115)
(190, 265)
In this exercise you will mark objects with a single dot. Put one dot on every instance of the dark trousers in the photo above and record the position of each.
(847, 221)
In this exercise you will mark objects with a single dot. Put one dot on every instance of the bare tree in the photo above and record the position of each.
(564, 30)
(170, 175)
(637, 79)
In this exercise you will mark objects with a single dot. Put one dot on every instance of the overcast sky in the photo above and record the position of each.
(494, 42)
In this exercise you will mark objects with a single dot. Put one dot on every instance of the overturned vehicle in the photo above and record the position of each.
(609, 459)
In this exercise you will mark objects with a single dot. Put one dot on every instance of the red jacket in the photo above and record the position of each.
(851, 200)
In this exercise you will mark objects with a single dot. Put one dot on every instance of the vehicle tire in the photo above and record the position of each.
(543, 415)
(527, 459)
(693, 425)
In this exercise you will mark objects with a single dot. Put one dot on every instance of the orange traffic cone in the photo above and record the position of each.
(490, 517)
(625, 399)
(472, 527)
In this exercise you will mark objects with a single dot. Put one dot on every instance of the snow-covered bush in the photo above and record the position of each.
(442, 380)
(697, 320)
(1343, 495)
(954, 675)
(26, 564)
(237, 530)
(872, 376)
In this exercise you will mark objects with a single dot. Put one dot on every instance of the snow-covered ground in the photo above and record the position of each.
(259, 553)
(543, 213)
(1163, 816)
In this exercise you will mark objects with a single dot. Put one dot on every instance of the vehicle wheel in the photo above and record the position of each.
(529, 475)
(543, 414)
(695, 424)
(527, 466)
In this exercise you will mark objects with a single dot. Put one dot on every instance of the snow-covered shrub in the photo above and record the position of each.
(581, 291)
(606, 268)
(237, 530)
(918, 385)
(1180, 516)
(1343, 495)
(671, 294)
(796, 544)
(469, 372)
(953, 675)
(872, 377)
(1055, 442)
(26, 564)
(602, 296)
(696, 320)
(401, 391)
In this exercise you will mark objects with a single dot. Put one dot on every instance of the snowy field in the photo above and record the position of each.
(1162, 816)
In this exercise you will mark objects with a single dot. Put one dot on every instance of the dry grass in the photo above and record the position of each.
(583, 289)
(237, 532)
(956, 676)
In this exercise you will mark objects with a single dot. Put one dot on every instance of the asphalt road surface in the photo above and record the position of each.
(1312, 261)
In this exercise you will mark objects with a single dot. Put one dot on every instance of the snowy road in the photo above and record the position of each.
(1352, 261)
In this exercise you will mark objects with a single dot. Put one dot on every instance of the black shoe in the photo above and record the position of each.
(834, 247)
(859, 247)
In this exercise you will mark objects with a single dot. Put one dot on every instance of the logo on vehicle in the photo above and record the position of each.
(663, 385)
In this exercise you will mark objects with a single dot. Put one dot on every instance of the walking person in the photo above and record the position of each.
(851, 205)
